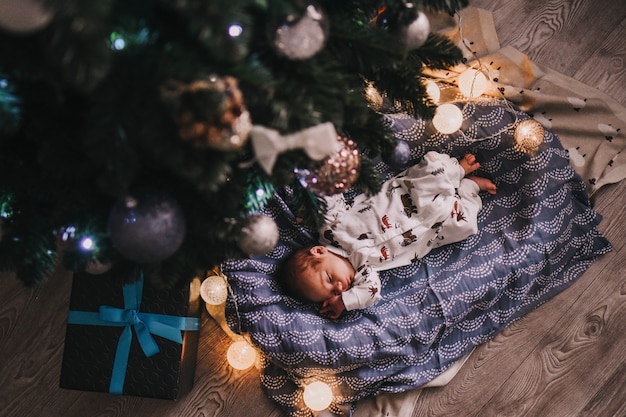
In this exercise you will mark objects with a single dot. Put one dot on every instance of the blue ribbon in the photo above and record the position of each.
(145, 324)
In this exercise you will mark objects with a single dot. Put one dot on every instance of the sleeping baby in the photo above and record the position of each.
(431, 204)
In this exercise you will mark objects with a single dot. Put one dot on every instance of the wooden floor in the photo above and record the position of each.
(566, 358)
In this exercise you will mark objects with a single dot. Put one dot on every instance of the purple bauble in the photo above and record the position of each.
(400, 156)
(147, 226)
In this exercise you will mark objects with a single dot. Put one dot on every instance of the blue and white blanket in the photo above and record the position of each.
(536, 236)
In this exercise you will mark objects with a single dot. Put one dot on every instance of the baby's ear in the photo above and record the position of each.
(318, 250)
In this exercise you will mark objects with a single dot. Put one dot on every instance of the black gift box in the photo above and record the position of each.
(90, 350)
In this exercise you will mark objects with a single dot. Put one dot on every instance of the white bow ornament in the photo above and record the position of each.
(317, 141)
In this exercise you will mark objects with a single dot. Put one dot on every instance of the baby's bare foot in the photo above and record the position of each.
(485, 184)
(469, 163)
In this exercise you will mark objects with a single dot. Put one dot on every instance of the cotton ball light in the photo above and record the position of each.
(214, 290)
(317, 396)
(472, 83)
(241, 355)
(528, 136)
(448, 118)
(258, 235)
(433, 91)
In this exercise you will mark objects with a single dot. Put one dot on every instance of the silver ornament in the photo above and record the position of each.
(302, 38)
(147, 226)
(259, 234)
(416, 33)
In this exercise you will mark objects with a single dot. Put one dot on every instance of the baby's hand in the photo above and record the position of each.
(469, 163)
(333, 307)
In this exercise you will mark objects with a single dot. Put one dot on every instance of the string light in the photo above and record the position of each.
(87, 243)
(528, 136)
(433, 91)
(241, 355)
(214, 290)
(317, 396)
(448, 118)
(235, 30)
(472, 83)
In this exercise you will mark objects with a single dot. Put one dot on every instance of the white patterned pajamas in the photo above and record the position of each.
(426, 206)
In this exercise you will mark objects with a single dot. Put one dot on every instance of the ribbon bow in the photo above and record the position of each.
(145, 324)
(317, 141)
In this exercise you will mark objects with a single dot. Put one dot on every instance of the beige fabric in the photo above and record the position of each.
(587, 121)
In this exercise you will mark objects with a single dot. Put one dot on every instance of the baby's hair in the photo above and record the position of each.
(298, 261)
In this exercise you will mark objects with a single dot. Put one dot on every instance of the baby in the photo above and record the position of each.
(431, 204)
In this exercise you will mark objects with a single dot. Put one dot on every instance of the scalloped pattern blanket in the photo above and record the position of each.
(536, 236)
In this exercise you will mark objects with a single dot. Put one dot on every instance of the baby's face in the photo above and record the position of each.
(332, 276)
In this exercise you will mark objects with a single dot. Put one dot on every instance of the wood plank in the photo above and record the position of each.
(562, 373)
(606, 68)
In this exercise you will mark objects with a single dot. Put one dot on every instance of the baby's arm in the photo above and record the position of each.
(365, 290)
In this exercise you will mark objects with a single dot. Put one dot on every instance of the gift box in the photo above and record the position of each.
(125, 336)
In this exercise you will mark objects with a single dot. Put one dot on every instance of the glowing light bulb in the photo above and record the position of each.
(214, 290)
(87, 243)
(241, 355)
(528, 136)
(317, 396)
(433, 91)
(119, 44)
(472, 83)
(448, 118)
(235, 30)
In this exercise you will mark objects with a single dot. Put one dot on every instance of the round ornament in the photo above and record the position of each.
(209, 112)
(147, 226)
(301, 37)
(416, 33)
(528, 136)
(337, 172)
(258, 235)
(400, 156)
(24, 16)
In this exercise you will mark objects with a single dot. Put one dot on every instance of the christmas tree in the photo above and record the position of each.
(152, 132)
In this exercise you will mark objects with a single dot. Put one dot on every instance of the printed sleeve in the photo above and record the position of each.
(365, 291)
(436, 174)
(463, 221)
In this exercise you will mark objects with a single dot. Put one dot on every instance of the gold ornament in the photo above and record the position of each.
(337, 172)
(373, 97)
(528, 136)
(228, 131)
